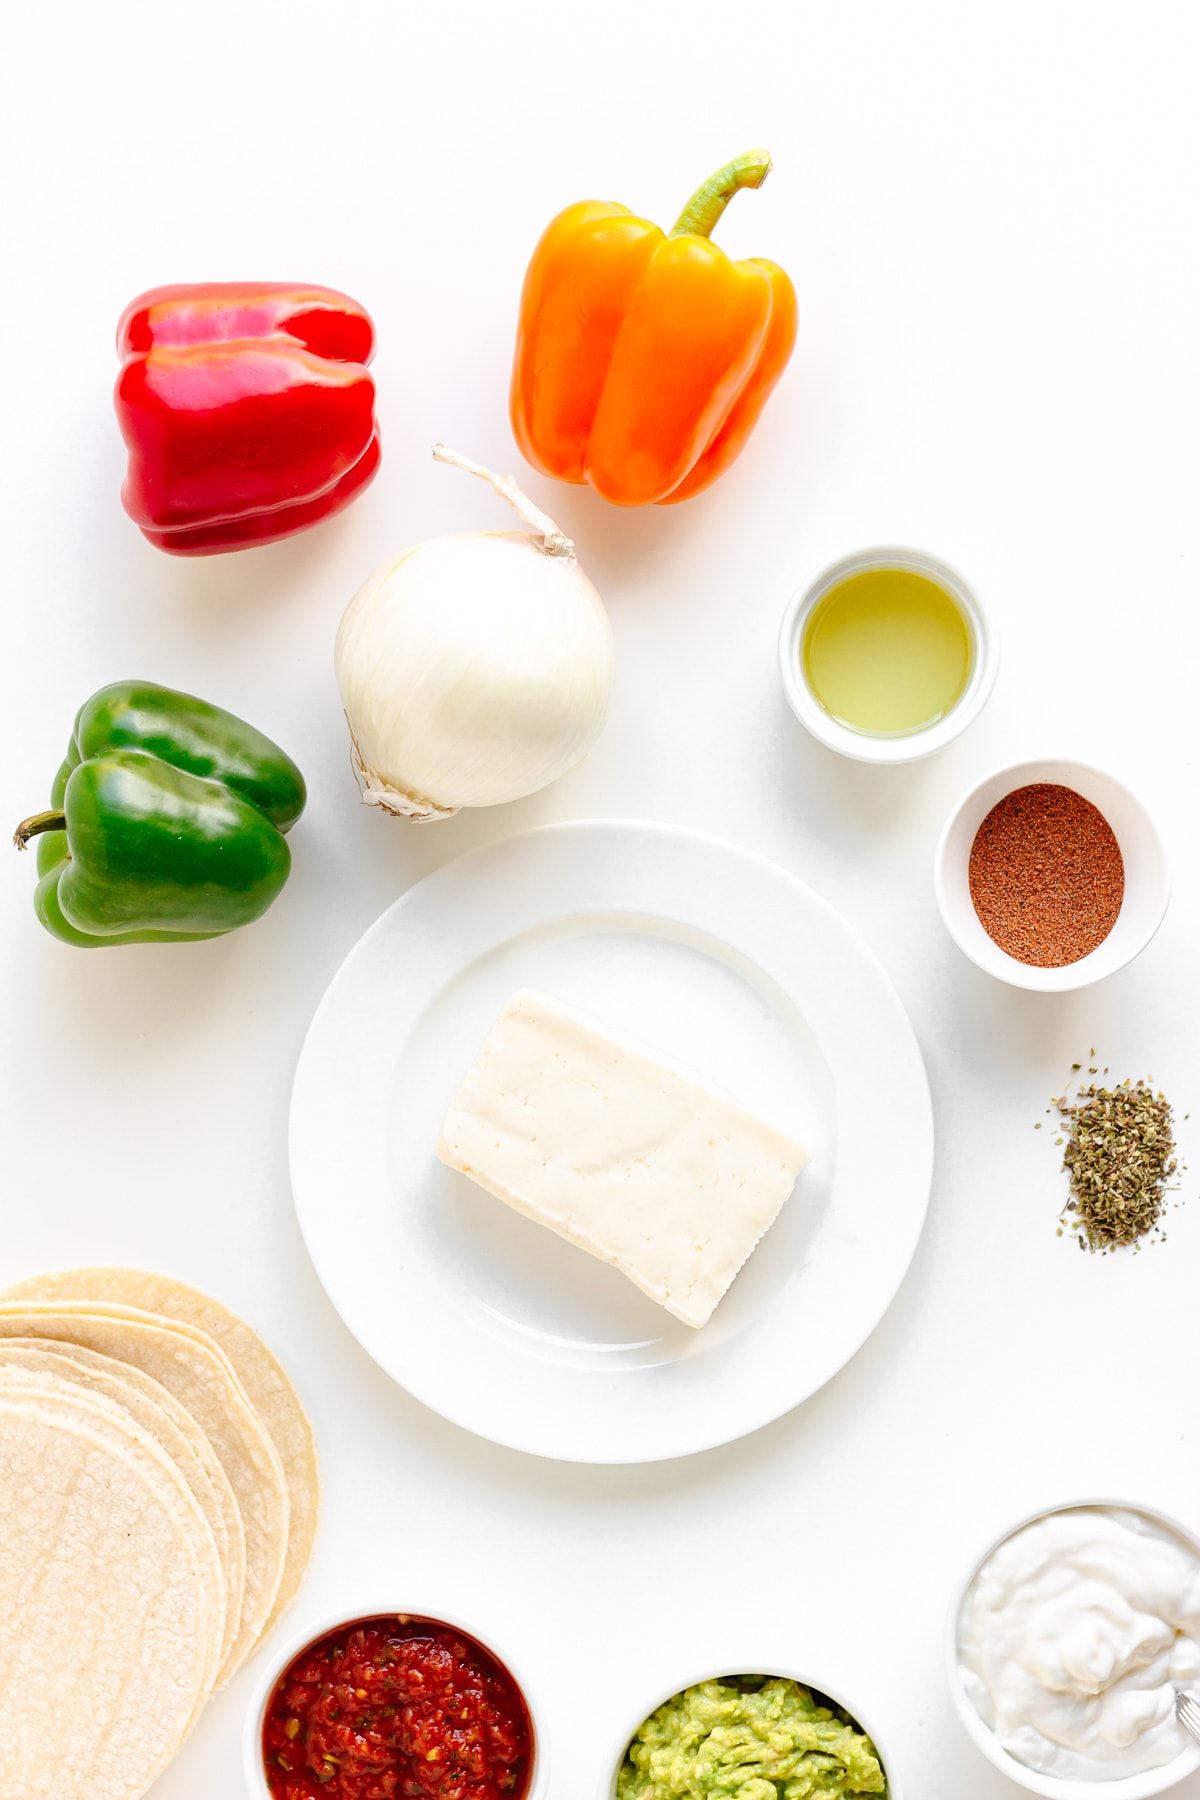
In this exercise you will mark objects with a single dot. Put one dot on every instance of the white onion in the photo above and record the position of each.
(474, 668)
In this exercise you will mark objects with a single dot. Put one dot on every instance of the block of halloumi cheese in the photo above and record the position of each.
(620, 1151)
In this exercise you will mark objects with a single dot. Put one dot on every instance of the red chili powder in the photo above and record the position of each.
(1046, 875)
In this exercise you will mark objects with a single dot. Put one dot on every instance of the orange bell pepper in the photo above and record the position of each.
(644, 359)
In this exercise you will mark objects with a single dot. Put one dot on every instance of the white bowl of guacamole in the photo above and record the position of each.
(773, 1736)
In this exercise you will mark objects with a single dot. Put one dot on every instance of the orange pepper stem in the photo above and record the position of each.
(711, 198)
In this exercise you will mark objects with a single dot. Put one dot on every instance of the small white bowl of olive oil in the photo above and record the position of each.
(887, 656)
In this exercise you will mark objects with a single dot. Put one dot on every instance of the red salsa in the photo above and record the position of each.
(397, 1708)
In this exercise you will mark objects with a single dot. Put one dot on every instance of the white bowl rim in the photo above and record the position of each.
(1058, 1787)
(905, 747)
(773, 1667)
(312, 1633)
(1070, 976)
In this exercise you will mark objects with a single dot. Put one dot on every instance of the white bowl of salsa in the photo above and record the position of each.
(461, 1685)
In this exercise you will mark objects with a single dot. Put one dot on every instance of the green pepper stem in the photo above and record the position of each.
(711, 198)
(31, 828)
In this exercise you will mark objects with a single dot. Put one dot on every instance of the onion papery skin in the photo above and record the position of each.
(474, 669)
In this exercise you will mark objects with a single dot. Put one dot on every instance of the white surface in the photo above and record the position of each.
(990, 217)
(888, 747)
(720, 962)
(1143, 855)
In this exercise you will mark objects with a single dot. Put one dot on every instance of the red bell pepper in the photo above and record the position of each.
(247, 409)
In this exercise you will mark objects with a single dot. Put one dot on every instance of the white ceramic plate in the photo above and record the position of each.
(713, 957)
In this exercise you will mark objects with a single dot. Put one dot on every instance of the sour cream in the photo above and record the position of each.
(1073, 1637)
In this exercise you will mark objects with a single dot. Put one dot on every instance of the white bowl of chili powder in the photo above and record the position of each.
(363, 1694)
(1051, 874)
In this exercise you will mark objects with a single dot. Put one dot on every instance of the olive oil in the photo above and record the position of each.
(887, 652)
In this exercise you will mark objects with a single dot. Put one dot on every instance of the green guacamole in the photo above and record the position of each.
(748, 1739)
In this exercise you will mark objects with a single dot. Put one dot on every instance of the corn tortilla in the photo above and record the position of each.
(201, 1378)
(264, 1378)
(153, 1412)
(106, 1627)
(55, 1399)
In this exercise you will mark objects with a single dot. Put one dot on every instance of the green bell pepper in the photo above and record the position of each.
(166, 822)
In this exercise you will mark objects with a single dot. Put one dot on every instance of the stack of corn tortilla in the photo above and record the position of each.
(159, 1496)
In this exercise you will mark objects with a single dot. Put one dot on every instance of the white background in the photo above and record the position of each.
(991, 219)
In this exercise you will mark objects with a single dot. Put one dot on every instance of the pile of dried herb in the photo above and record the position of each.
(1120, 1156)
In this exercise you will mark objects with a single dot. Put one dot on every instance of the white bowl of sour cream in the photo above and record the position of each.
(1067, 1644)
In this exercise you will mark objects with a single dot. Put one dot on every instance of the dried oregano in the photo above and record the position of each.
(1120, 1156)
